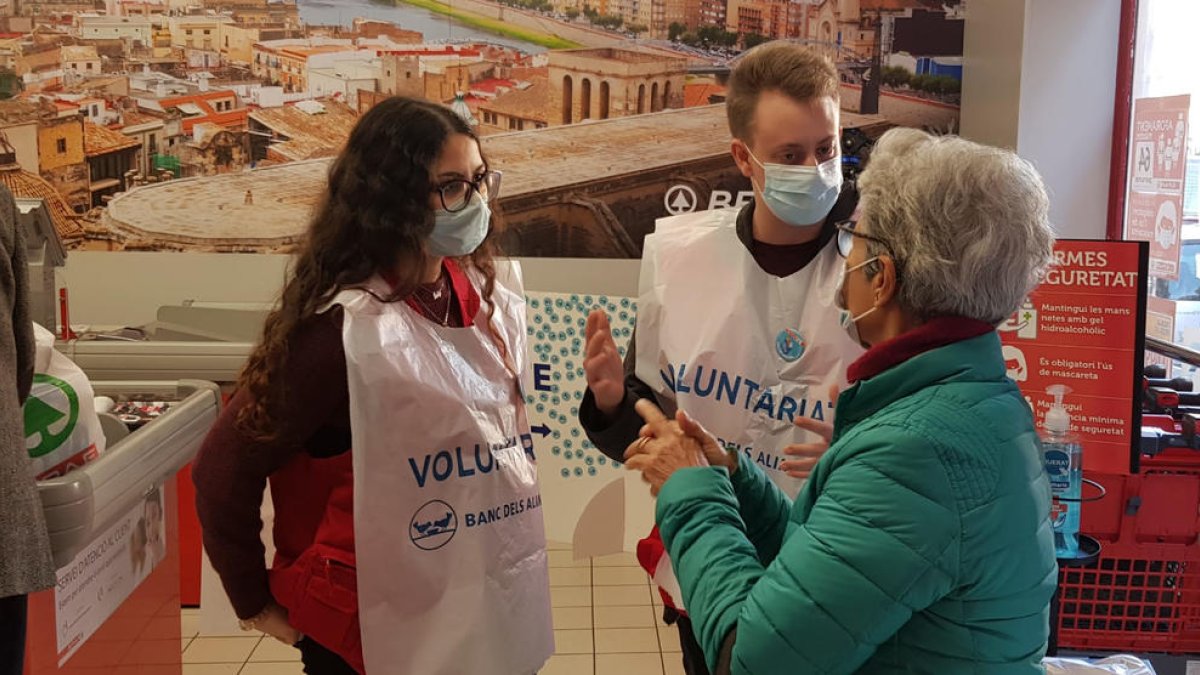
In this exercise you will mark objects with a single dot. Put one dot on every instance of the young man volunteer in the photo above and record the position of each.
(736, 318)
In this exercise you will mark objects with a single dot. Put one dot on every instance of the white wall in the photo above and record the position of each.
(24, 139)
(992, 53)
(1040, 77)
(1067, 95)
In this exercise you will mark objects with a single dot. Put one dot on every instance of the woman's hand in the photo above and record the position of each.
(274, 622)
(809, 453)
(713, 452)
(665, 446)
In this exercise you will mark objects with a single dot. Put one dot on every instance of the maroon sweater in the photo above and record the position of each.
(231, 469)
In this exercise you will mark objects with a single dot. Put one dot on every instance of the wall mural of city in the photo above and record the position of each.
(208, 125)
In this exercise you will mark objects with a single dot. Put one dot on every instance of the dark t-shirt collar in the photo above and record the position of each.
(786, 260)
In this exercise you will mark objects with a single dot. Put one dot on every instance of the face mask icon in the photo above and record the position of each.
(1014, 363)
(1165, 225)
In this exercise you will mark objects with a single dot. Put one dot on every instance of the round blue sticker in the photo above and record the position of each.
(790, 344)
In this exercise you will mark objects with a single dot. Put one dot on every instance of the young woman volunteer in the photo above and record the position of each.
(736, 323)
(399, 336)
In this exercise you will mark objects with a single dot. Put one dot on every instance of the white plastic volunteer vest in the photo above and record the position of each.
(740, 350)
(452, 566)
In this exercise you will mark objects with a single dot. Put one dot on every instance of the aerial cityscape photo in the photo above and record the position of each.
(208, 125)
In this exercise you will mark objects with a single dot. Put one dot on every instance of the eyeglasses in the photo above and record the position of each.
(846, 233)
(457, 193)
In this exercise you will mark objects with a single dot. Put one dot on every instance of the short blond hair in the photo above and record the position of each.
(792, 70)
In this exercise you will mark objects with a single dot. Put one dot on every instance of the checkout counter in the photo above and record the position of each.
(191, 341)
(114, 529)
(114, 523)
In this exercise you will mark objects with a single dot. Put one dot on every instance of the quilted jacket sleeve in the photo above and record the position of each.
(763, 507)
(877, 546)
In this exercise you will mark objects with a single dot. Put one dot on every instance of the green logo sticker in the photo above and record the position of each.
(45, 412)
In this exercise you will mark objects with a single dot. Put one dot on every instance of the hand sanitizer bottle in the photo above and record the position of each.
(1064, 465)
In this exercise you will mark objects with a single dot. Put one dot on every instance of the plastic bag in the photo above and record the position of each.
(62, 429)
(1122, 664)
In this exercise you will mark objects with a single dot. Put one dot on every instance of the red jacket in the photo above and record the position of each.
(649, 552)
(314, 573)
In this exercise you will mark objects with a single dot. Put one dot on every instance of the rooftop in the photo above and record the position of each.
(492, 86)
(900, 5)
(133, 118)
(197, 211)
(309, 135)
(617, 54)
(211, 212)
(529, 103)
(698, 94)
(196, 109)
(16, 111)
(197, 97)
(97, 84)
(22, 183)
(79, 53)
(305, 52)
(98, 140)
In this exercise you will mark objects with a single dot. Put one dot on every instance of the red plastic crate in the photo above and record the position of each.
(1143, 595)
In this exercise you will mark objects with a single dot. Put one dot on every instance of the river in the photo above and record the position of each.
(435, 27)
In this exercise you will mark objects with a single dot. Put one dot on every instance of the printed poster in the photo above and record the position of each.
(1083, 328)
(574, 475)
(93, 585)
(1160, 324)
(1157, 166)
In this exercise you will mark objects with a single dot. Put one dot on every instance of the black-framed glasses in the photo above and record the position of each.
(846, 233)
(457, 193)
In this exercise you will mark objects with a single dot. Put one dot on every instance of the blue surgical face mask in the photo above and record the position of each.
(849, 321)
(461, 232)
(801, 195)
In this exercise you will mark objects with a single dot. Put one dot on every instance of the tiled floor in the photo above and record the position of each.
(606, 622)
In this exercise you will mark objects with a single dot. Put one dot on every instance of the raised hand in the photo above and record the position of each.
(602, 364)
(808, 454)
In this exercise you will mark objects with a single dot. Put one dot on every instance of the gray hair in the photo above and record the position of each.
(967, 223)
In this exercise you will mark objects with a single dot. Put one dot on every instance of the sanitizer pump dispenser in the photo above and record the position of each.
(1064, 466)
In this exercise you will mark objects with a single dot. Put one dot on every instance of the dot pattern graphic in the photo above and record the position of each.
(557, 336)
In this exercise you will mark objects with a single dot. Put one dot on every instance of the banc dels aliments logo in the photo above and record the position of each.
(790, 344)
(433, 525)
(51, 414)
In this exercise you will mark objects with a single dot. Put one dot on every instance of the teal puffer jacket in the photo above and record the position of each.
(920, 544)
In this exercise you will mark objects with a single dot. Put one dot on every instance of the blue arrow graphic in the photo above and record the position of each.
(542, 429)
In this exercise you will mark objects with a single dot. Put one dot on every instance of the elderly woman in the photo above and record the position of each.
(922, 541)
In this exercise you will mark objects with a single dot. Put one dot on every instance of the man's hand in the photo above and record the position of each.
(602, 364)
(809, 454)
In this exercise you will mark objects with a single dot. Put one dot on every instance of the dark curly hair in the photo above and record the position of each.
(374, 216)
